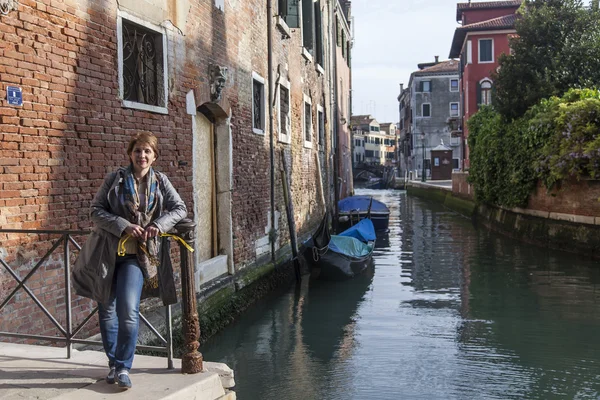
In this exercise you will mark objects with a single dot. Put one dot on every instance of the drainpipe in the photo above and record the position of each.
(272, 133)
(334, 109)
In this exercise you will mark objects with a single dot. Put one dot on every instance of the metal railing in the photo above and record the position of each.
(192, 360)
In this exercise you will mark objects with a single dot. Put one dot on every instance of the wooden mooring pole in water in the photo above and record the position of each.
(191, 361)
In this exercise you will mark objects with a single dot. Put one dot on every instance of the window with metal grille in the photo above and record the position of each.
(142, 64)
(258, 104)
(284, 114)
(321, 122)
(307, 122)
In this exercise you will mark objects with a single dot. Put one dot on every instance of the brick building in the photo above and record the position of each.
(225, 85)
(483, 36)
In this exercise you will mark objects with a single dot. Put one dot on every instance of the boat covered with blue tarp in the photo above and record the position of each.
(338, 257)
(353, 209)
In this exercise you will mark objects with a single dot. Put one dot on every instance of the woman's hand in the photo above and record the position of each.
(151, 231)
(135, 231)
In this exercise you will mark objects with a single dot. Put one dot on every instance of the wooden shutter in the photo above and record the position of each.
(319, 34)
(283, 8)
(421, 86)
(308, 24)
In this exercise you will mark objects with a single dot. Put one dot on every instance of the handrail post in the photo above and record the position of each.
(69, 322)
(191, 361)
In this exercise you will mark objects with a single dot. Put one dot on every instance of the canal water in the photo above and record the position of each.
(449, 311)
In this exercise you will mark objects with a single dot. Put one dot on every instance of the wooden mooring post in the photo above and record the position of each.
(191, 360)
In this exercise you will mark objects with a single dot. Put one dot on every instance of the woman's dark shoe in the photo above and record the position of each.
(123, 379)
(110, 378)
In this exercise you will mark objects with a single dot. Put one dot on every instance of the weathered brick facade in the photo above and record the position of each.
(73, 127)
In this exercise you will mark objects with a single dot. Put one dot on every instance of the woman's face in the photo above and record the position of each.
(142, 157)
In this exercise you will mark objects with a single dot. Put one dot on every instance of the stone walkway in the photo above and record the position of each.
(43, 373)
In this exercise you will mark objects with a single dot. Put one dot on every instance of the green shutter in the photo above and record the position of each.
(319, 34)
(308, 24)
(421, 86)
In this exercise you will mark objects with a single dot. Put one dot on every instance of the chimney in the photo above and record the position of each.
(401, 87)
(437, 59)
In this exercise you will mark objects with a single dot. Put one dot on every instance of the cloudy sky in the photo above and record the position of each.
(390, 38)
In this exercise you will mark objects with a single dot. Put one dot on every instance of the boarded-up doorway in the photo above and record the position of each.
(205, 201)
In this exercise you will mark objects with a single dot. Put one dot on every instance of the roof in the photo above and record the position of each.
(361, 119)
(442, 67)
(505, 22)
(460, 7)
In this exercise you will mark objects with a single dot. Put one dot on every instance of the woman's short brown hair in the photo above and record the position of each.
(143, 138)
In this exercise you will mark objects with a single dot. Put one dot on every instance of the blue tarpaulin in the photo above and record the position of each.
(361, 203)
(349, 246)
(363, 231)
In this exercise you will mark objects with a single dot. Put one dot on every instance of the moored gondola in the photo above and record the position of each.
(356, 208)
(343, 256)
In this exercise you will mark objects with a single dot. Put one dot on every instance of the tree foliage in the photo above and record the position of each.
(555, 140)
(557, 47)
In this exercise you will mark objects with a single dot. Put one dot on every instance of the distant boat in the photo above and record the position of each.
(343, 256)
(353, 209)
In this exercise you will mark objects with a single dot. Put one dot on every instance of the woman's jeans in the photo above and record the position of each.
(119, 318)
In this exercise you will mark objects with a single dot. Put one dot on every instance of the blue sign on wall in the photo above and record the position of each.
(14, 95)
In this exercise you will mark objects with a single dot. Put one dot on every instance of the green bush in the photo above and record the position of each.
(555, 140)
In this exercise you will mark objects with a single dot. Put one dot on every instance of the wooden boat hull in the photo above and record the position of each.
(335, 266)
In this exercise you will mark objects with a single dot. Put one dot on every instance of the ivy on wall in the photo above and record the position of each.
(557, 139)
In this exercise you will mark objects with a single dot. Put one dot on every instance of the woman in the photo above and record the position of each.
(132, 208)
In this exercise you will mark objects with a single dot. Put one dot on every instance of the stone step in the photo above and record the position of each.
(44, 373)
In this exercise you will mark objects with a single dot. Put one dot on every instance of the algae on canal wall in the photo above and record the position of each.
(520, 224)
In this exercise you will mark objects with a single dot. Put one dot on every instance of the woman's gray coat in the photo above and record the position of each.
(94, 267)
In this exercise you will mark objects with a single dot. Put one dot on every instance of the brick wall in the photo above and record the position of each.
(72, 128)
(573, 198)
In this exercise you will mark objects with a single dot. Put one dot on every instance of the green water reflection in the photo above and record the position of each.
(449, 311)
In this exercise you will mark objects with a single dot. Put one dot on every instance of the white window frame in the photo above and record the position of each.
(423, 86)
(479, 51)
(153, 27)
(422, 113)
(260, 79)
(481, 88)
(307, 143)
(469, 52)
(284, 138)
(321, 110)
(457, 84)
(457, 109)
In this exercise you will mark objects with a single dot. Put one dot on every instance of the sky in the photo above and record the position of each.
(390, 38)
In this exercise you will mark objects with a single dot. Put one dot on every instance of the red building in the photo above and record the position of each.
(482, 38)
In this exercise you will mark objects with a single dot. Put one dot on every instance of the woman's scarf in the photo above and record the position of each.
(141, 214)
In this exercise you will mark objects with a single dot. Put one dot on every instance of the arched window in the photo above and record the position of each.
(486, 92)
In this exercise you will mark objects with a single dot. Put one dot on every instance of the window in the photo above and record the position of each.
(318, 34)
(454, 85)
(436, 161)
(469, 52)
(386, 142)
(485, 92)
(454, 109)
(258, 104)
(308, 25)
(376, 154)
(357, 143)
(455, 163)
(426, 110)
(307, 126)
(321, 127)
(486, 50)
(142, 64)
(368, 153)
(390, 155)
(289, 11)
(374, 129)
(283, 98)
(425, 86)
